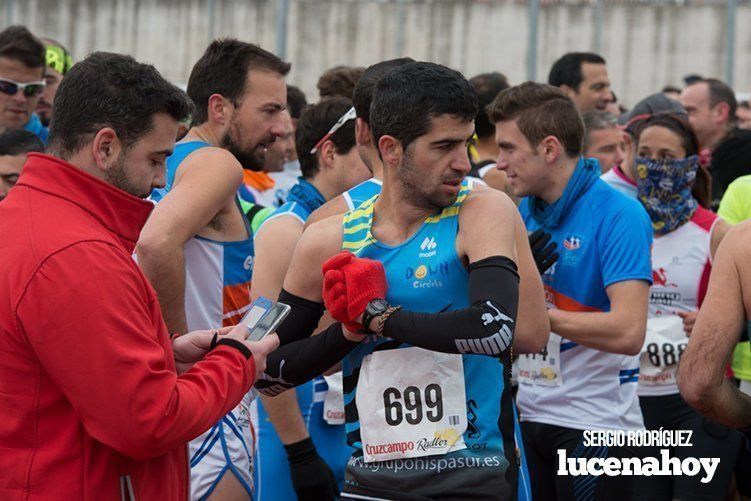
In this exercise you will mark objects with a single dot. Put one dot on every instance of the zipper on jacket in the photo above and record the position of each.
(127, 493)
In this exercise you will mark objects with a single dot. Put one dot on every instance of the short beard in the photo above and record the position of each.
(248, 158)
(413, 186)
(117, 176)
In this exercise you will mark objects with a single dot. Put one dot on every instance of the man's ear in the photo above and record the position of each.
(570, 92)
(218, 109)
(722, 112)
(326, 154)
(391, 150)
(551, 149)
(105, 148)
(363, 135)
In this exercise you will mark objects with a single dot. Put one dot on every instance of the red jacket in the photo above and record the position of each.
(90, 403)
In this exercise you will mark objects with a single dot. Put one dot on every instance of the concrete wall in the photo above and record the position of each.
(647, 46)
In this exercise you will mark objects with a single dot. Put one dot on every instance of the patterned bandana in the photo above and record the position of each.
(58, 59)
(665, 191)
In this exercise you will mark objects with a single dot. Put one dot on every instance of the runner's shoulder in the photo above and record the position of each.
(279, 227)
(737, 240)
(734, 251)
(483, 202)
(323, 238)
(335, 206)
(213, 161)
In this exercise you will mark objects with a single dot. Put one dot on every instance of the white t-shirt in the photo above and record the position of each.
(616, 178)
(681, 263)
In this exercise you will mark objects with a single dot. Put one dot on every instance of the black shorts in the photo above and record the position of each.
(541, 443)
(709, 440)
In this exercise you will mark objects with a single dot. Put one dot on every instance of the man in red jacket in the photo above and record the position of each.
(96, 400)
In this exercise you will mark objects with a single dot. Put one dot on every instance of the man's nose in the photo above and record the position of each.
(501, 162)
(160, 179)
(461, 163)
(277, 128)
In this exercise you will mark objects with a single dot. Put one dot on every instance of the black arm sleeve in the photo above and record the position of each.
(302, 319)
(299, 362)
(485, 328)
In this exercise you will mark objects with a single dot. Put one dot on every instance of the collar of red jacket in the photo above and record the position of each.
(119, 212)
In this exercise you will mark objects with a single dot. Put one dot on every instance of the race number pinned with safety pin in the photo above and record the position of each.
(663, 346)
(411, 403)
(543, 368)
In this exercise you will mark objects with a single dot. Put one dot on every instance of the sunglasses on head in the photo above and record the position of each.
(30, 89)
(349, 115)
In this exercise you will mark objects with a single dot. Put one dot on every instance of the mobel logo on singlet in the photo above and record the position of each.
(429, 247)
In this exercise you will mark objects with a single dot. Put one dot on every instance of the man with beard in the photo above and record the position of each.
(258, 186)
(197, 247)
(97, 399)
(443, 332)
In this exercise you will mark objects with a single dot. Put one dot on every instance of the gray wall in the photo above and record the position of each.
(647, 46)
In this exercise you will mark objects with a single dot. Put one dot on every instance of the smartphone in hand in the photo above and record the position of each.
(263, 317)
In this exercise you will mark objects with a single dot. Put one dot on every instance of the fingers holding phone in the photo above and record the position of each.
(256, 327)
(260, 350)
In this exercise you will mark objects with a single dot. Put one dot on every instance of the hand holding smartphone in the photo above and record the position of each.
(263, 317)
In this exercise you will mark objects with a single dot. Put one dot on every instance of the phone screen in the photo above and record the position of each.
(264, 317)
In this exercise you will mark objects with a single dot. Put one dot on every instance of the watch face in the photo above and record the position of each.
(379, 305)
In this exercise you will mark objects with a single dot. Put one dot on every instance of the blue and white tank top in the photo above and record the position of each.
(426, 274)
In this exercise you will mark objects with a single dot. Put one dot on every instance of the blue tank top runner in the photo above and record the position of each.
(426, 274)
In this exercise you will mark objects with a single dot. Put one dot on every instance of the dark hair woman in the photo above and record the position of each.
(675, 191)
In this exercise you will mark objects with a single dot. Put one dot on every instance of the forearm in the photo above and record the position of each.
(484, 328)
(301, 361)
(727, 405)
(302, 320)
(701, 373)
(533, 327)
(284, 414)
(602, 331)
(165, 269)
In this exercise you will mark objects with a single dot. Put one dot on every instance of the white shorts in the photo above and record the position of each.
(227, 448)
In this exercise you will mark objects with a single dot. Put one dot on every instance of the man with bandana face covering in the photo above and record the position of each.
(674, 189)
(197, 247)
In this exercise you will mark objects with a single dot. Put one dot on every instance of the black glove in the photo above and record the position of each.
(543, 250)
(312, 478)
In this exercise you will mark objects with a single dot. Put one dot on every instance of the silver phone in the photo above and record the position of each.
(263, 317)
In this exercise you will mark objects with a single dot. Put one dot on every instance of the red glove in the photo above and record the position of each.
(349, 284)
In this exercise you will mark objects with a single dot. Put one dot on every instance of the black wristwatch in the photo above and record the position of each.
(374, 308)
